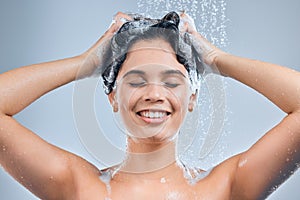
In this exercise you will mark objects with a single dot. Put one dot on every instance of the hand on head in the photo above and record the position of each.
(187, 24)
(208, 51)
(92, 58)
(118, 20)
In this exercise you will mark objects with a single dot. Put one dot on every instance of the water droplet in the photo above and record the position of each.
(173, 195)
(3, 148)
(287, 160)
(209, 16)
(242, 162)
(163, 180)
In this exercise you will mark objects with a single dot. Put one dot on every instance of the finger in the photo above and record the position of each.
(182, 14)
(122, 17)
(118, 20)
(187, 23)
(113, 27)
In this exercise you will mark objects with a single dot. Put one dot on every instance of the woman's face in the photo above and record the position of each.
(153, 92)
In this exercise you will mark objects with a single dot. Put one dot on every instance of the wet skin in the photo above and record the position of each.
(140, 89)
(59, 174)
(152, 82)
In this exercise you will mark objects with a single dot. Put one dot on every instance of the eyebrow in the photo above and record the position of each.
(140, 72)
(166, 72)
(171, 71)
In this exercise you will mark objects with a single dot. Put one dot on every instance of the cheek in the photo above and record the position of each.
(180, 99)
(126, 105)
(127, 98)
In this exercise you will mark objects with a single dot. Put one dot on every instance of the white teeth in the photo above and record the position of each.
(153, 114)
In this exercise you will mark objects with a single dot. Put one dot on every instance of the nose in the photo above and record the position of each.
(154, 93)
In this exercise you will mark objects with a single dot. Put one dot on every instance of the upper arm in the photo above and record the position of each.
(39, 166)
(270, 161)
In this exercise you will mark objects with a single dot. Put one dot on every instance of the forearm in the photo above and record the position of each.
(22, 86)
(279, 84)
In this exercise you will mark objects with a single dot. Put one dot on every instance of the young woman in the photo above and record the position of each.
(150, 84)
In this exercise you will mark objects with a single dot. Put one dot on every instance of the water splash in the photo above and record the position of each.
(209, 15)
(193, 174)
(106, 177)
(210, 21)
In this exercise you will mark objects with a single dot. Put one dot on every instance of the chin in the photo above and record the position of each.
(158, 138)
(155, 132)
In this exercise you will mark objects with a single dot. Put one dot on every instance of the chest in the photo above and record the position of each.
(216, 186)
(165, 191)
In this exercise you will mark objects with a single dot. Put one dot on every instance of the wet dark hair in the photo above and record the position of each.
(142, 28)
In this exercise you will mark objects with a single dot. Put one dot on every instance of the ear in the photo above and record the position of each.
(112, 101)
(192, 101)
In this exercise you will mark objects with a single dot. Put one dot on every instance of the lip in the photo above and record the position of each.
(153, 120)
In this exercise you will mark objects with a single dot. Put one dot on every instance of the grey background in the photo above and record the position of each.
(36, 31)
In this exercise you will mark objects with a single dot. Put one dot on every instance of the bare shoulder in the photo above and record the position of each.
(229, 165)
(86, 179)
(221, 177)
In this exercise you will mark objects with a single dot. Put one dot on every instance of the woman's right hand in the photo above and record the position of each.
(92, 58)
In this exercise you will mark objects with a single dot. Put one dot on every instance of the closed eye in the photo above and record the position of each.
(171, 85)
(137, 84)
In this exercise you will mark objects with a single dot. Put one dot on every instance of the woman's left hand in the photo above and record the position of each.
(207, 51)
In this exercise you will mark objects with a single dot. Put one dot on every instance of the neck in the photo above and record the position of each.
(144, 157)
(149, 162)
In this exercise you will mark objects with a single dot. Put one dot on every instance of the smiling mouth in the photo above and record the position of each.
(152, 116)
